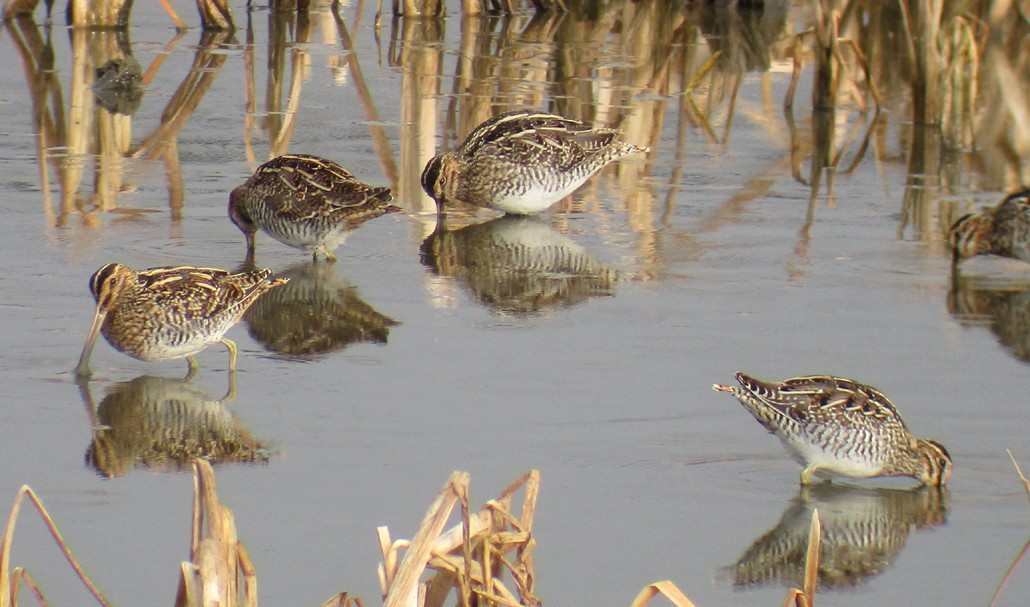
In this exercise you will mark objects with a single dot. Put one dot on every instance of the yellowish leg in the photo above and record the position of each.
(230, 394)
(231, 347)
(806, 475)
(328, 254)
(192, 370)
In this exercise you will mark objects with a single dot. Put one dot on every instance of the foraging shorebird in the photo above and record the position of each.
(1002, 230)
(172, 312)
(306, 202)
(522, 162)
(839, 425)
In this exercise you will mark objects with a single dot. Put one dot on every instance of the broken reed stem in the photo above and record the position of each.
(806, 597)
(6, 590)
(812, 558)
(664, 588)
(1026, 482)
(701, 73)
(1026, 547)
(405, 584)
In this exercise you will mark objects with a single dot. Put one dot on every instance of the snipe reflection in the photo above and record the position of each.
(1004, 309)
(163, 424)
(317, 312)
(517, 265)
(863, 530)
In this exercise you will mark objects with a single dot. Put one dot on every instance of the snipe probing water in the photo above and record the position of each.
(173, 312)
(838, 425)
(1002, 230)
(306, 202)
(522, 162)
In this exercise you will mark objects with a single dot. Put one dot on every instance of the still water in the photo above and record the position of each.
(752, 238)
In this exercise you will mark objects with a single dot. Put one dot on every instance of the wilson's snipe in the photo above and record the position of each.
(1003, 230)
(522, 162)
(306, 202)
(174, 312)
(839, 425)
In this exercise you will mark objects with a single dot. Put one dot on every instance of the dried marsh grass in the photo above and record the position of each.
(217, 557)
(470, 557)
(1026, 547)
(11, 579)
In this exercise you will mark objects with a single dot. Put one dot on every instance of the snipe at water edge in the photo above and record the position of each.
(838, 425)
(172, 312)
(1002, 230)
(306, 202)
(522, 162)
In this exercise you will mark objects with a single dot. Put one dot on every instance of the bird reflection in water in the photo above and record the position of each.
(1001, 306)
(517, 265)
(863, 530)
(163, 424)
(317, 312)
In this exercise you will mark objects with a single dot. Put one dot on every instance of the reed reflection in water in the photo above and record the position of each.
(316, 313)
(517, 265)
(863, 531)
(163, 424)
(620, 64)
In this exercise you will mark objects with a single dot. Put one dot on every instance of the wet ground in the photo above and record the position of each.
(730, 247)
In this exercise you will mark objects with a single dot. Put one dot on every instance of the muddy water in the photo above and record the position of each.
(733, 246)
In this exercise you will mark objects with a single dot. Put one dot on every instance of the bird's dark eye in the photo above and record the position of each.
(943, 462)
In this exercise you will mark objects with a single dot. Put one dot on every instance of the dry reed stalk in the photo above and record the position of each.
(470, 557)
(1026, 547)
(380, 141)
(806, 597)
(11, 579)
(421, 60)
(217, 557)
(664, 588)
(1026, 481)
(279, 140)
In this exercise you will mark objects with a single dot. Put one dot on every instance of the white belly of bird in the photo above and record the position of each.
(169, 346)
(308, 239)
(536, 199)
(845, 464)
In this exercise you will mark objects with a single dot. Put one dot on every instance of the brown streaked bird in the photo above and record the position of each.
(171, 312)
(838, 425)
(1003, 229)
(307, 203)
(522, 162)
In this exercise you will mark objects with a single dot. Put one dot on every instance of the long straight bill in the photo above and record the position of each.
(82, 370)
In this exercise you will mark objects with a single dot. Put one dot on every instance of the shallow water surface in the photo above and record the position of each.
(582, 343)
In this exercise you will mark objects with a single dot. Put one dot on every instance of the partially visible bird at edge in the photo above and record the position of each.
(1003, 230)
(307, 203)
(170, 312)
(838, 425)
(522, 162)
